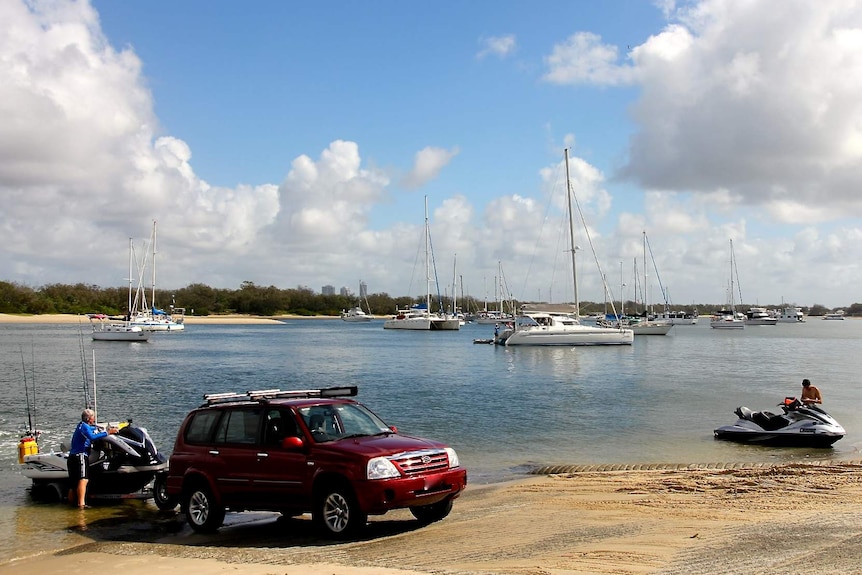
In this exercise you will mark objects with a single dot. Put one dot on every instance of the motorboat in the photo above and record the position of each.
(837, 315)
(791, 315)
(125, 465)
(798, 426)
(678, 317)
(760, 316)
(355, 315)
(727, 319)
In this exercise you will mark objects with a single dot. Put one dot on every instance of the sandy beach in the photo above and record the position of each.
(711, 519)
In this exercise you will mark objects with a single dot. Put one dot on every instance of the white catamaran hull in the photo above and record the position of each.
(571, 335)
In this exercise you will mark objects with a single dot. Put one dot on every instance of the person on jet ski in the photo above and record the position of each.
(79, 455)
(810, 393)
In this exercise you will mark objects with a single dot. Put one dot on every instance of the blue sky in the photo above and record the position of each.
(292, 144)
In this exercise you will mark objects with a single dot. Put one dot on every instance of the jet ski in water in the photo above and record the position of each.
(799, 426)
(125, 465)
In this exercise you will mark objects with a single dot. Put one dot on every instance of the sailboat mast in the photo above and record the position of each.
(153, 298)
(427, 265)
(732, 309)
(129, 309)
(646, 280)
(572, 235)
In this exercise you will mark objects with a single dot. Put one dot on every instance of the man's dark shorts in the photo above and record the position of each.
(78, 467)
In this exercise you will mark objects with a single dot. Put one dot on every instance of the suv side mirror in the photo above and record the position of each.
(291, 442)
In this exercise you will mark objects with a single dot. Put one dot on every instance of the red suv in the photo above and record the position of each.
(306, 451)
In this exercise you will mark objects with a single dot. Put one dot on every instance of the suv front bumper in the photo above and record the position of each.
(379, 496)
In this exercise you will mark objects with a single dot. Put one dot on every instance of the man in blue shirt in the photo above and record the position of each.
(79, 455)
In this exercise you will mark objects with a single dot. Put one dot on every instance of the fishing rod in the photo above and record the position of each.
(27, 393)
(84, 369)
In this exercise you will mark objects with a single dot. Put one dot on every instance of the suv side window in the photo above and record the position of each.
(201, 427)
(239, 426)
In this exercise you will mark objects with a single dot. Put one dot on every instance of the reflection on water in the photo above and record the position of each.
(502, 409)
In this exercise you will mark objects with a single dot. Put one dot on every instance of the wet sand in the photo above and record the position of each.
(716, 519)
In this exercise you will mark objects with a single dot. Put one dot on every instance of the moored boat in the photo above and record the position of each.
(759, 316)
(355, 314)
(106, 330)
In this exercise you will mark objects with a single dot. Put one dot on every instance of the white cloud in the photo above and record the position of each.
(759, 102)
(583, 59)
(500, 46)
(427, 165)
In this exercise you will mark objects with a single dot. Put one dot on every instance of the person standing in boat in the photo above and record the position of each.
(810, 393)
(79, 456)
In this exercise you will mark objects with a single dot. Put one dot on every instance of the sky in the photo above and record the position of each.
(294, 144)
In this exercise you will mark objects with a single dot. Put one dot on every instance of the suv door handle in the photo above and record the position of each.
(213, 451)
(263, 455)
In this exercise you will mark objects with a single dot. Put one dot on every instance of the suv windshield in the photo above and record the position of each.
(337, 421)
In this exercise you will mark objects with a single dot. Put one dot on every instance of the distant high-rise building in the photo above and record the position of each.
(327, 290)
(344, 292)
(363, 290)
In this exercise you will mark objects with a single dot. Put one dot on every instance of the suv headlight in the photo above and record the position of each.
(380, 468)
(453, 458)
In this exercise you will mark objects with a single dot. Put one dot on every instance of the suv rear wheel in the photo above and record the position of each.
(337, 513)
(203, 514)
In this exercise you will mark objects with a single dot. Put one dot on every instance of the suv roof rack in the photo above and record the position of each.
(263, 394)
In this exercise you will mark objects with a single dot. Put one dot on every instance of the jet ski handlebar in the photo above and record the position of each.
(790, 404)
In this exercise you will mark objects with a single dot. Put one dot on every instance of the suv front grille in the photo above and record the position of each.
(421, 462)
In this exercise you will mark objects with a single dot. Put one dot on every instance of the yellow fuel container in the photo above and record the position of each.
(27, 446)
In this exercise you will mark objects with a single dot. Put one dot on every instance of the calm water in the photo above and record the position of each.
(504, 410)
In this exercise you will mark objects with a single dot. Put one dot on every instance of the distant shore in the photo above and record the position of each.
(193, 319)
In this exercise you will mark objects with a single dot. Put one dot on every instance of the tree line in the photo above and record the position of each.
(252, 299)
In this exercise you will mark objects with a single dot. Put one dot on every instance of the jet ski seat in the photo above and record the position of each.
(743, 412)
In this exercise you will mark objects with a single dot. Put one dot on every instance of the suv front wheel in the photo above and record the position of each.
(337, 513)
(430, 513)
(203, 514)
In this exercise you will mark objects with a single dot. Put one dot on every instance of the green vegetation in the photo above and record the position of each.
(199, 299)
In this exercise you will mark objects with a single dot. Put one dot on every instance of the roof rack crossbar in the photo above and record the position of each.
(257, 395)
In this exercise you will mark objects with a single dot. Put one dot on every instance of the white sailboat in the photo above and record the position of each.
(646, 326)
(419, 316)
(728, 318)
(149, 317)
(556, 328)
(106, 330)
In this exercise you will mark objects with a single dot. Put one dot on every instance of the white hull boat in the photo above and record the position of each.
(356, 315)
(104, 330)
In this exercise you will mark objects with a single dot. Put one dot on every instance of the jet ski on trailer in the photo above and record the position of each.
(126, 465)
(798, 426)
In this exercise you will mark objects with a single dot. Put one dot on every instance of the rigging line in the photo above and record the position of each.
(593, 249)
(84, 375)
(550, 197)
(655, 267)
(736, 271)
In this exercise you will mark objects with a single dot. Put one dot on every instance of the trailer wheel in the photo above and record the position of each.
(161, 498)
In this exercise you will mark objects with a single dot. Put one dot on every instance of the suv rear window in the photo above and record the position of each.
(200, 428)
(239, 426)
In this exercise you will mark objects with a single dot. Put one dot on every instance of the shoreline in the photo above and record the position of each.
(695, 521)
